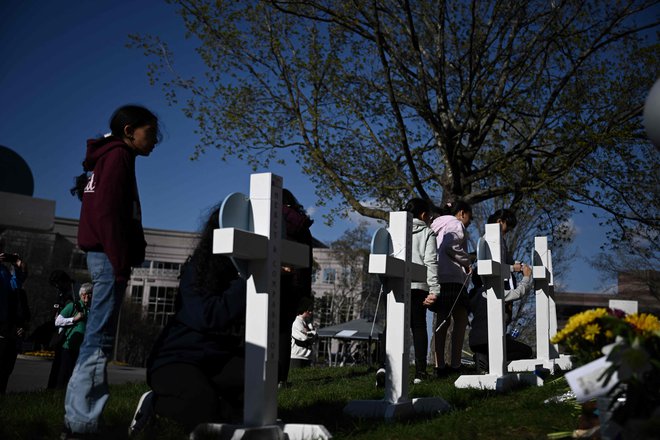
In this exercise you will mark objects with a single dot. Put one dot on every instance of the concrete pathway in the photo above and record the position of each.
(31, 374)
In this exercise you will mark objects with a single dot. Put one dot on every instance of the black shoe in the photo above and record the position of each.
(441, 372)
(143, 414)
(380, 378)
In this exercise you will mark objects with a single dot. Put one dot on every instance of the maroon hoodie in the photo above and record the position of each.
(110, 217)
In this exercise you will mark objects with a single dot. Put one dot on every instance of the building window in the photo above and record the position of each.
(329, 276)
(161, 304)
(166, 265)
(136, 294)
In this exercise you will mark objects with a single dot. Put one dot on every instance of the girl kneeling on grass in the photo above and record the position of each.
(196, 368)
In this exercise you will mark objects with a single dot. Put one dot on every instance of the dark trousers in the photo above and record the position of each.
(55, 367)
(8, 355)
(284, 360)
(68, 360)
(514, 350)
(418, 327)
(186, 394)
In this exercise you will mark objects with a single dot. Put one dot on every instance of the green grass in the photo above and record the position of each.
(318, 395)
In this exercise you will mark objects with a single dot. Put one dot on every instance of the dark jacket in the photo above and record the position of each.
(14, 311)
(207, 329)
(295, 283)
(110, 217)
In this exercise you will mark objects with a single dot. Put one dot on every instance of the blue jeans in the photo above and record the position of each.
(87, 392)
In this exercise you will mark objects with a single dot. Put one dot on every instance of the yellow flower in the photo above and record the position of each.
(591, 331)
(644, 322)
(575, 322)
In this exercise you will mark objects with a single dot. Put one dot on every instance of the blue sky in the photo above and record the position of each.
(65, 67)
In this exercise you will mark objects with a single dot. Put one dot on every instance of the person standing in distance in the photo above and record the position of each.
(110, 232)
(71, 322)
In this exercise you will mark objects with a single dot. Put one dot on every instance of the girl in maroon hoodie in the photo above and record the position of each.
(110, 232)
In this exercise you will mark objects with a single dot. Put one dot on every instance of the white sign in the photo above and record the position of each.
(588, 381)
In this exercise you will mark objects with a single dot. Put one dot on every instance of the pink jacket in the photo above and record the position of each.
(453, 259)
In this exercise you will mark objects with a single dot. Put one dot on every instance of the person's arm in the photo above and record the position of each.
(524, 287)
(299, 330)
(18, 274)
(68, 316)
(113, 206)
(221, 311)
(431, 263)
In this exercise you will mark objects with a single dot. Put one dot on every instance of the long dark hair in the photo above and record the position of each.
(417, 206)
(506, 215)
(133, 115)
(213, 272)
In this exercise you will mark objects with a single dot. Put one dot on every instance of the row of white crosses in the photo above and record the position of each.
(250, 233)
(391, 259)
(493, 270)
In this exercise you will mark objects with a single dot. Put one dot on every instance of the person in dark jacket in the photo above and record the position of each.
(14, 313)
(196, 367)
(110, 232)
(295, 283)
(479, 328)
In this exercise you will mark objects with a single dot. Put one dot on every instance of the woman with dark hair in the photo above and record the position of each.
(454, 267)
(196, 368)
(295, 283)
(110, 232)
(424, 293)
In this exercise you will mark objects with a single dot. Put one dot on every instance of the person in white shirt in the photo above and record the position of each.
(303, 335)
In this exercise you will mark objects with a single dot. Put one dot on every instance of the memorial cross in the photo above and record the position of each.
(250, 233)
(391, 259)
(493, 269)
(547, 354)
(626, 305)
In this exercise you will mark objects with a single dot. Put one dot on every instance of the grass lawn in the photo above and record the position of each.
(318, 395)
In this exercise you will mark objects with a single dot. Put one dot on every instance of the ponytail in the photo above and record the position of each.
(453, 208)
(79, 184)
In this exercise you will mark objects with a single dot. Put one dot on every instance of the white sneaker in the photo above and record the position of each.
(417, 381)
(143, 413)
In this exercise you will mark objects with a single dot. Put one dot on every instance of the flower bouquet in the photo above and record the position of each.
(632, 346)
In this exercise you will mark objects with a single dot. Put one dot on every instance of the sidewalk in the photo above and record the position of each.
(31, 374)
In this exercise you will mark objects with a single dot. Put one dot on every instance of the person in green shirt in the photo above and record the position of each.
(72, 320)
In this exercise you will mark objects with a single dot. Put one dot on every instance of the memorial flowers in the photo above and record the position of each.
(631, 344)
(586, 333)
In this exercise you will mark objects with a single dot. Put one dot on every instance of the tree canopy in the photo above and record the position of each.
(533, 103)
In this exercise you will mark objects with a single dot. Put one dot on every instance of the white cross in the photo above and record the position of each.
(391, 258)
(493, 270)
(250, 233)
(547, 354)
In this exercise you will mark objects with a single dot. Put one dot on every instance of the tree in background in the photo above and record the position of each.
(533, 103)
